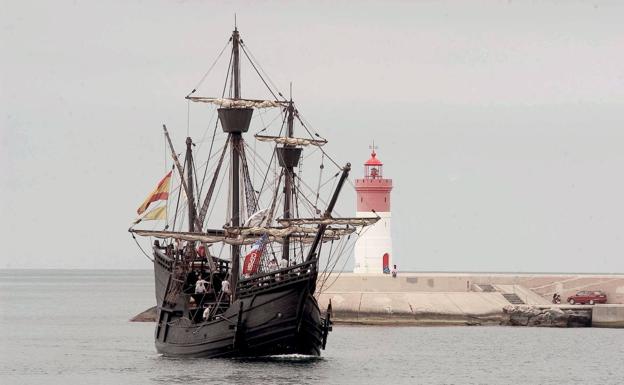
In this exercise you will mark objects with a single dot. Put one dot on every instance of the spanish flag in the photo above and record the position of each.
(160, 193)
(159, 213)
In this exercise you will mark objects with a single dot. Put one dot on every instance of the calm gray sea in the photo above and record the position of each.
(71, 327)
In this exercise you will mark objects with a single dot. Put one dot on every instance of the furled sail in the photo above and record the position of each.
(198, 237)
(257, 218)
(243, 236)
(282, 232)
(237, 103)
(364, 221)
(291, 141)
(185, 236)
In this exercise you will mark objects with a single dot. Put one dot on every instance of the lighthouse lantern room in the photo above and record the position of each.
(373, 248)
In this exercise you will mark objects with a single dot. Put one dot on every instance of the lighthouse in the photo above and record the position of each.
(373, 248)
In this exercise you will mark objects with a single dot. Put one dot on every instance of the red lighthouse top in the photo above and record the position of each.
(373, 167)
(373, 161)
(373, 192)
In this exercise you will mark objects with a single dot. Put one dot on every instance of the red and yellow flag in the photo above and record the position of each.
(160, 193)
(157, 214)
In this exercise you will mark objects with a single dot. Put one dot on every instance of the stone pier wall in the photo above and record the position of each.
(449, 298)
(611, 316)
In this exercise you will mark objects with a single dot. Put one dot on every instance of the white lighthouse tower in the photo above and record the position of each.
(373, 248)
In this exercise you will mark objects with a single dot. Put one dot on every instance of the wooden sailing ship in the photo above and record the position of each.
(266, 305)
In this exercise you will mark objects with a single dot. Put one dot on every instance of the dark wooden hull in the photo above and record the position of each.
(284, 320)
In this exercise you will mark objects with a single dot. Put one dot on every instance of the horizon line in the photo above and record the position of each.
(335, 271)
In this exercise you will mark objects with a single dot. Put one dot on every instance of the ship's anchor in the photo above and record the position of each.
(327, 323)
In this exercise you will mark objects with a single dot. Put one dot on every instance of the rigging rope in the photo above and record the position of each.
(244, 47)
(350, 252)
(218, 191)
(188, 117)
(266, 126)
(318, 187)
(271, 160)
(140, 248)
(301, 120)
(270, 215)
(194, 171)
(227, 76)
(341, 269)
(214, 134)
(210, 69)
(258, 72)
(312, 191)
(250, 194)
(175, 216)
(340, 251)
(208, 198)
(331, 247)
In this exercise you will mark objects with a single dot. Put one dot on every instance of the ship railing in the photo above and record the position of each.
(221, 266)
(276, 278)
(162, 259)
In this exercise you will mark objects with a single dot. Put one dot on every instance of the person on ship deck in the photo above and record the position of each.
(200, 286)
(157, 245)
(189, 252)
(179, 247)
(225, 289)
(201, 251)
(191, 280)
(206, 314)
(169, 250)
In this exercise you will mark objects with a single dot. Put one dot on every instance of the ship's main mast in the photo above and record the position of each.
(235, 121)
(236, 140)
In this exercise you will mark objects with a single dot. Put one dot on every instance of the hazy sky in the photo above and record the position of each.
(501, 122)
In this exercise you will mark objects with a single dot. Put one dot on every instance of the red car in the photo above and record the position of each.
(588, 296)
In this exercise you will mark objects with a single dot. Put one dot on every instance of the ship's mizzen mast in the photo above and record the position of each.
(188, 184)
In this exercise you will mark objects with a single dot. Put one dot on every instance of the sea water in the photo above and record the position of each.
(71, 327)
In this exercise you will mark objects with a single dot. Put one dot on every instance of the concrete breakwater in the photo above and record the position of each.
(465, 298)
